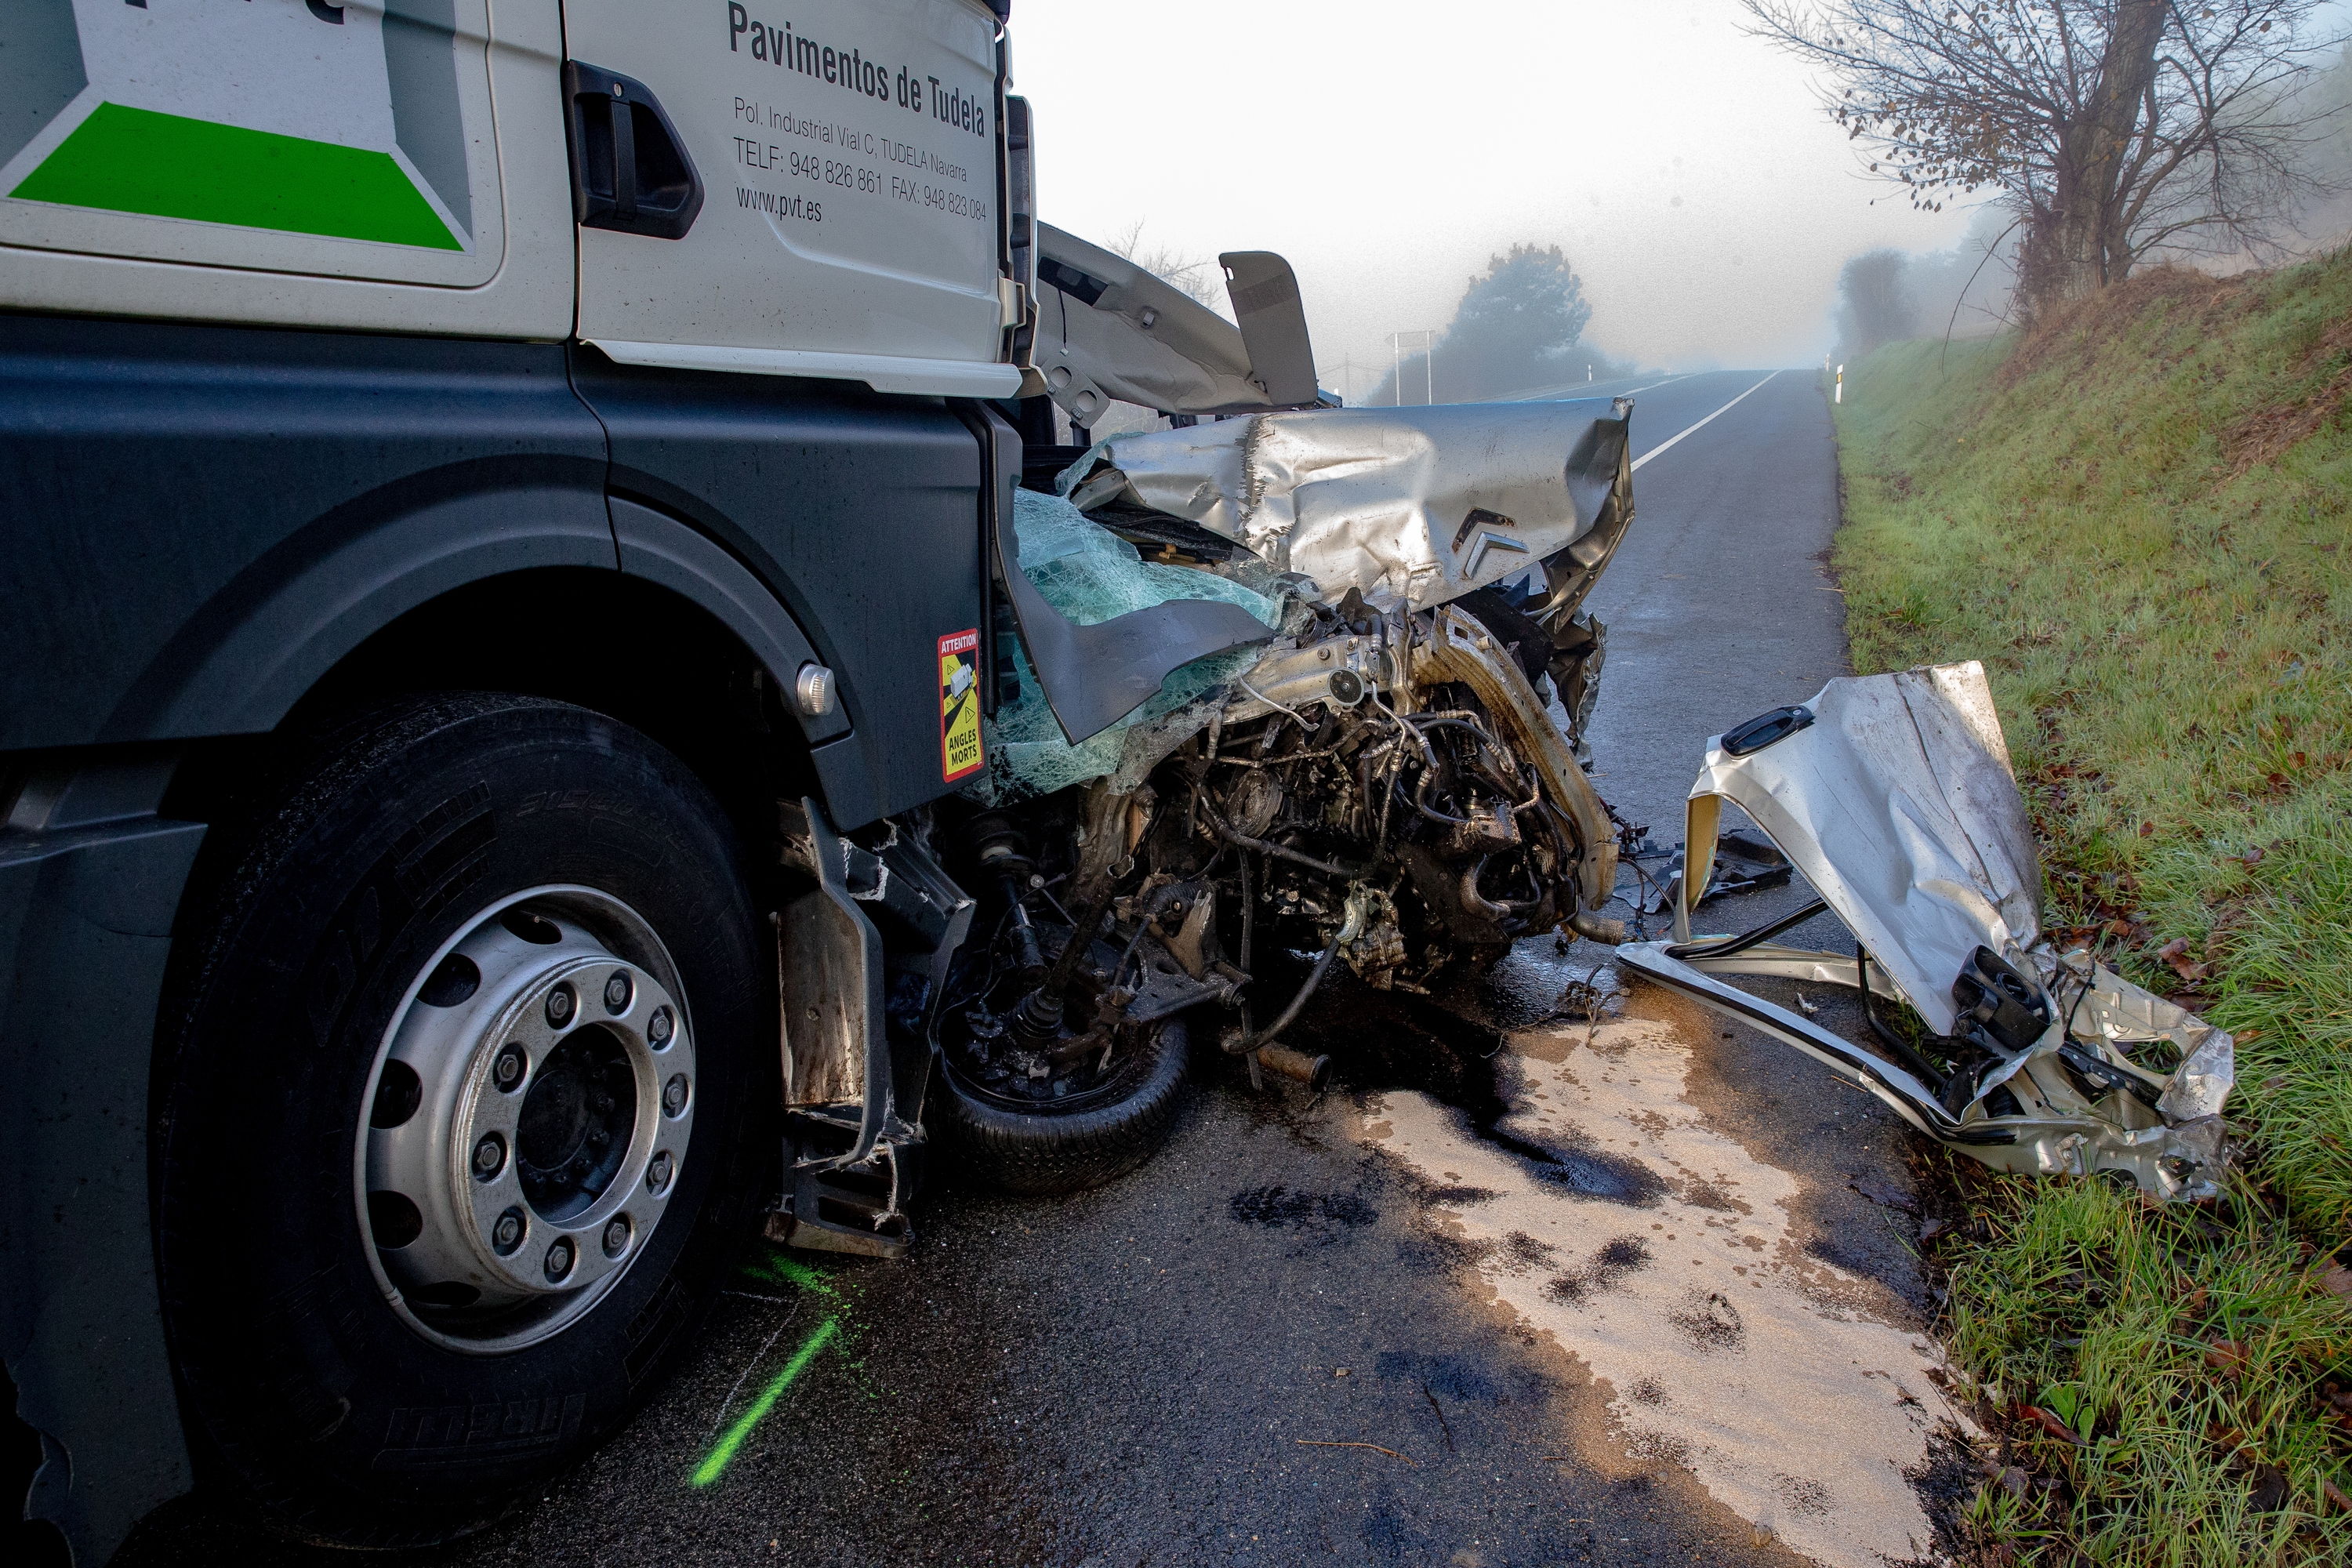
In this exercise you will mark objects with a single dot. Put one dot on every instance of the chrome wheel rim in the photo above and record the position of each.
(526, 1121)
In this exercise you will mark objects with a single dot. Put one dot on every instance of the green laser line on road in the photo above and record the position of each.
(781, 1269)
(722, 1455)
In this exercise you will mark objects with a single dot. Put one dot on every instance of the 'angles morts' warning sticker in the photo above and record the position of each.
(959, 704)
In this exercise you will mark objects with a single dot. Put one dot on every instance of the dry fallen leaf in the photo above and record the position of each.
(2049, 1424)
(2175, 953)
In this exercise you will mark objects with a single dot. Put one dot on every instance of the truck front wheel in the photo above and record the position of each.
(454, 1150)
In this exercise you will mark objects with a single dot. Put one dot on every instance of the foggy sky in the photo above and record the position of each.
(1388, 150)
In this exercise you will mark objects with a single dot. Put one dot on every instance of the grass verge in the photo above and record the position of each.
(2136, 517)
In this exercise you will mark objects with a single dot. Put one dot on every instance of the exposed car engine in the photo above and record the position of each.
(1390, 787)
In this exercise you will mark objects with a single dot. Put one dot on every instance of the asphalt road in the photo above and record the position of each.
(1301, 1333)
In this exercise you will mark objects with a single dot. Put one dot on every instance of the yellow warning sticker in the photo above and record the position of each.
(959, 705)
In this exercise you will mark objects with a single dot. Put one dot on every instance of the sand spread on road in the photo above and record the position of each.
(1728, 1349)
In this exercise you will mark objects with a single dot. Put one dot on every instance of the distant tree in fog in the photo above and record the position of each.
(2111, 128)
(2326, 215)
(1516, 330)
(1193, 275)
(1966, 291)
(1875, 302)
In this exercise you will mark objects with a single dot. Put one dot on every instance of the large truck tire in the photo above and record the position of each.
(1043, 1150)
(464, 1049)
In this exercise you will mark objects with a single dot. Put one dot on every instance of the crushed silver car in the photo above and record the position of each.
(1213, 758)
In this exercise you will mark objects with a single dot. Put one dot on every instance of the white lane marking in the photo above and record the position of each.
(1730, 1349)
(1700, 426)
(1571, 392)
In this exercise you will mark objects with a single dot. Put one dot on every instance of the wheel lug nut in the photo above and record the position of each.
(561, 1005)
(490, 1156)
(599, 1138)
(617, 992)
(506, 1234)
(604, 1103)
(578, 1166)
(657, 1174)
(674, 1095)
(616, 1237)
(658, 1027)
(506, 1070)
(559, 1258)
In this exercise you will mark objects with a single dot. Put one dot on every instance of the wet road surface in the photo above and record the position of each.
(1440, 1314)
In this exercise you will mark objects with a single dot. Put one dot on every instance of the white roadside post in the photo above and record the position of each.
(1428, 350)
(1840, 385)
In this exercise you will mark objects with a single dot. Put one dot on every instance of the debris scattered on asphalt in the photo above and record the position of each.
(1375, 1448)
(1583, 999)
(1884, 1196)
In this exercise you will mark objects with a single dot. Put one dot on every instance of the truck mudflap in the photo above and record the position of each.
(1892, 795)
(853, 1085)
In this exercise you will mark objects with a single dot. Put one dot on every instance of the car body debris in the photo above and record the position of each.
(1892, 795)
(1419, 504)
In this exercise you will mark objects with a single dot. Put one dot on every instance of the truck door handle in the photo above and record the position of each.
(630, 171)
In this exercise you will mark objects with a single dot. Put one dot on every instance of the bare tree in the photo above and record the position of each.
(2111, 129)
(1193, 275)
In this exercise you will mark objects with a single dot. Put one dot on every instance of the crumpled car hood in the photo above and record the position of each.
(1898, 805)
(1895, 799)
(1425, 504)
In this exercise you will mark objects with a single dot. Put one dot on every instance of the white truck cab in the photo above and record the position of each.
(588, 353)
(828, 180)
(507, 509)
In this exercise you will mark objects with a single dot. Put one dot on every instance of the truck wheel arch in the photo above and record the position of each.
(288, 628)
(242, 663)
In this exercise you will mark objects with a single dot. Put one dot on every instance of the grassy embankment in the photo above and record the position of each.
(2136, 517)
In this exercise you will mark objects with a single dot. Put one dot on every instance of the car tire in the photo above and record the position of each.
(356, 1409)
(1043, 1152)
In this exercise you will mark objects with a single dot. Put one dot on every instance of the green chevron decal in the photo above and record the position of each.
(140, 161)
